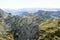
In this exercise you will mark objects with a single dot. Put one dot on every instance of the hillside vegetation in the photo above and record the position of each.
(34, 26)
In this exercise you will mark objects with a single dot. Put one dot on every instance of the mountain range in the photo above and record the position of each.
(30, 10)
(48, 11)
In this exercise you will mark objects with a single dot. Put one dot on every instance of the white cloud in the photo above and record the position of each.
(15, 4)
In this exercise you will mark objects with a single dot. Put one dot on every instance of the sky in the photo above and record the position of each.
(18, 4)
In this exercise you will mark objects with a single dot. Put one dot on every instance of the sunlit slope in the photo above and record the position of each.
(50, 29)
(52, 22)
(5, 33)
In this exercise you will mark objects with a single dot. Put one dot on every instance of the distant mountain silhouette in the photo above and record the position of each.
(48, 11)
